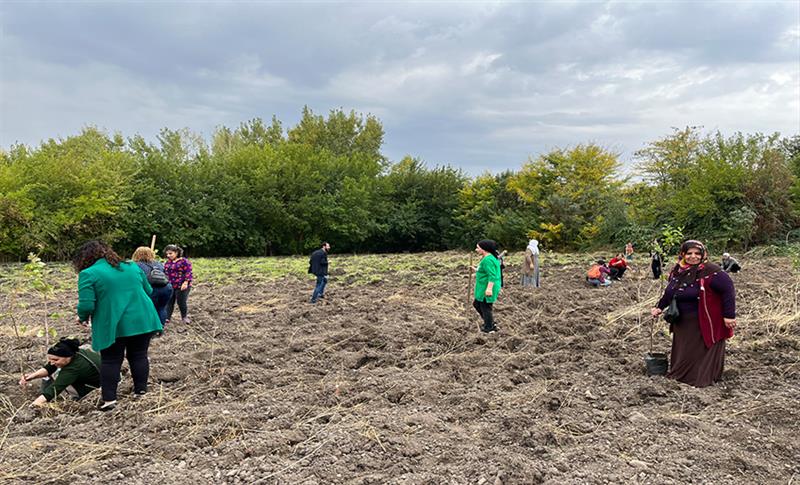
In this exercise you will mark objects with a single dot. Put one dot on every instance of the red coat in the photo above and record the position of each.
(618, 263)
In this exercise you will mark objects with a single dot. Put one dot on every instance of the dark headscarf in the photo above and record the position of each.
(66, 347)
(690, 274)
(489, 246)
(694, 244)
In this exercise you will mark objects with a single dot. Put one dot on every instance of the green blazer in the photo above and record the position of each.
(118, 302)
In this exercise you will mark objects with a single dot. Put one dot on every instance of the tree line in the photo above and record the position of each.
(263, 189)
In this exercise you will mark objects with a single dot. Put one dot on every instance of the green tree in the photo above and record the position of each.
(419, 206)
(54, 197)
(573, 190)
(490, 208)
(343, 134)
(727, 190)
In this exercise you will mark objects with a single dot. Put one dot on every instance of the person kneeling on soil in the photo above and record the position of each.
(487, 283)
(596, 276)
(729, 264)
(617, 266)
(69, 368)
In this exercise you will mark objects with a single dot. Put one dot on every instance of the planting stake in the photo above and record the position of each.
(153, 243)
(469, 285)
(652, 325)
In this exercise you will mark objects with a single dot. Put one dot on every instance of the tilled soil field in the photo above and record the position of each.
(388, 380)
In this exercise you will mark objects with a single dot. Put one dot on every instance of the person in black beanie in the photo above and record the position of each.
(488, 277)
(69, 368)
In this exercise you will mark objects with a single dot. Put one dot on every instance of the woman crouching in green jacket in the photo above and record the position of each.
(487, 283)
(69, 368)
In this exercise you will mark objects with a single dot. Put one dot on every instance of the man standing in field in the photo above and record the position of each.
(318, 266)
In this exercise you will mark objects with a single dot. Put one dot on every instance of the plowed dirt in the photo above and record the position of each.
(388, 380)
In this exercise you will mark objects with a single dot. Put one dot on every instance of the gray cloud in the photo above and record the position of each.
(480, 86)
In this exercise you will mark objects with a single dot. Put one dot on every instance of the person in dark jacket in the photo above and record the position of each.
(145, 258)
(318, 266)
(656, 260)
(69, 368)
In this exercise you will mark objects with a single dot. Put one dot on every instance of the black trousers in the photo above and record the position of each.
(485, 311)
(135, 349)
(616, 273)
(182, 297)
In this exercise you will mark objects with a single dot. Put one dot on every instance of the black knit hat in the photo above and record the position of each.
(66, 347)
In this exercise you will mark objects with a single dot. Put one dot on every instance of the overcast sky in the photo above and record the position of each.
(481, 86)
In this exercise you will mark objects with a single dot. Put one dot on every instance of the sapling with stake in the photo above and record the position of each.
(37, 279)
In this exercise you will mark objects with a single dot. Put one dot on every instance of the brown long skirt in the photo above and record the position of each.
(691, 362)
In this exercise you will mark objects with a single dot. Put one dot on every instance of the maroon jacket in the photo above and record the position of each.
(712, 324)
(709, 292)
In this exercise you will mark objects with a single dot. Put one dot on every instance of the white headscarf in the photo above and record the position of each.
(533, 245)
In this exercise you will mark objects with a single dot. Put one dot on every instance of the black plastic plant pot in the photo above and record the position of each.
(656, 363)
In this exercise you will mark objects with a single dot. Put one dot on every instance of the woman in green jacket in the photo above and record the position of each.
(487, 283)
(69, 368)
(115, 295)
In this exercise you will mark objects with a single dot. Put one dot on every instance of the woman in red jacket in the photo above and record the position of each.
(706, 301)
(617, 265)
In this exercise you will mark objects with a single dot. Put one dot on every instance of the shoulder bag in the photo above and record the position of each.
(671, 313)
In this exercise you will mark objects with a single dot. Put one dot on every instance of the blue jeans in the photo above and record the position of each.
(161, 297)
(319, 290)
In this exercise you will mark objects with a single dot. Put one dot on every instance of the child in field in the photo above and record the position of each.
(179, 272)
(629, 251)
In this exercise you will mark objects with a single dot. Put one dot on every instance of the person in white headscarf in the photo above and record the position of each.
(530, 268)
(729, 264)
